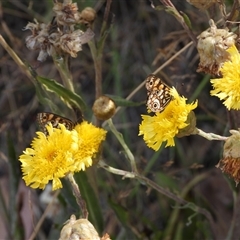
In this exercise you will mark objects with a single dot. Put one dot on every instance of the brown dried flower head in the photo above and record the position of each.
(230, 163)
(51, 40)
(72, 43)
(104, 108)
(78, 229)
(212, 46)
(41, 39)
(66, 12)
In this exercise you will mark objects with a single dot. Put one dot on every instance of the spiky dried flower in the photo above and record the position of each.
(41, 39)
(66, 12)
(212, 48)
(72, 42)
(78, 229)
(230, 163)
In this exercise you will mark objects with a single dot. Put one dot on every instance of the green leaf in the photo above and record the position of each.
(65, 94)
(123, 102)
(187, 20)
(42, 95)
(165, 181)
(87, 193)
(203, 83)
(43, 99)
(66, 196)
(124, 217)
(121, 212)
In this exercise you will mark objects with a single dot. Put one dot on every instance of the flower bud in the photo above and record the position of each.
(104, 108)
(88, 15)
(190, 128)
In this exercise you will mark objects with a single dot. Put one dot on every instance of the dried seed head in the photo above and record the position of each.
(40, 39)
(78, 229)
(212, 46)
(87, 16)
(104, 108)
(230, 163)
(70, 43)
(50, 40)
(66, 12)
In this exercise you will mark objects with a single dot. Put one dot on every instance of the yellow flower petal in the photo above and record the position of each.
(90, 138)
(227, 88)
(50, 157)
(163, 126)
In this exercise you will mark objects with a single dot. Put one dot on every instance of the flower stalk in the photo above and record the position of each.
(76, 192)
(16, 58)
(124, 145)
(149, 183)
(209, 136)
(62, 65)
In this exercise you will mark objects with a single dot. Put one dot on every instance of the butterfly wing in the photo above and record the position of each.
(158, 94)
(45, 118)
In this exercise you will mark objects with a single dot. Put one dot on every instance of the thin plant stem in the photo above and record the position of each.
(116, 171)
(119, 137)
(155, 72)
(97, 60)
(209, 136)
(233, 16)
(63, 69)
(145, 181)
(97, 50)
(172, 221)
(178, 15)
(17, 60)
(76, 192)
(46, 212)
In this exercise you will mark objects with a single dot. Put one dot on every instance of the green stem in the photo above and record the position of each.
(145, 181)
(63, 69)
(97, 60)
(172, 221)
(17, 60)
(172, 10)
(97, 51)
(125, 147)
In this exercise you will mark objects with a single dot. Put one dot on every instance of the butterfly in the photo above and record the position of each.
(158, 94)
(45, 118)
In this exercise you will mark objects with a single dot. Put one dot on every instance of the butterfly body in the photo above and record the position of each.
(158, 94)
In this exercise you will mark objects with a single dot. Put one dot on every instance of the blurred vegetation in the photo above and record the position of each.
(140, 39)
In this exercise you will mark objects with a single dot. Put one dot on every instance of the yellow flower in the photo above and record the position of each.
(227, 88)
(167, 124)
(89, 139)
(50, 157)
